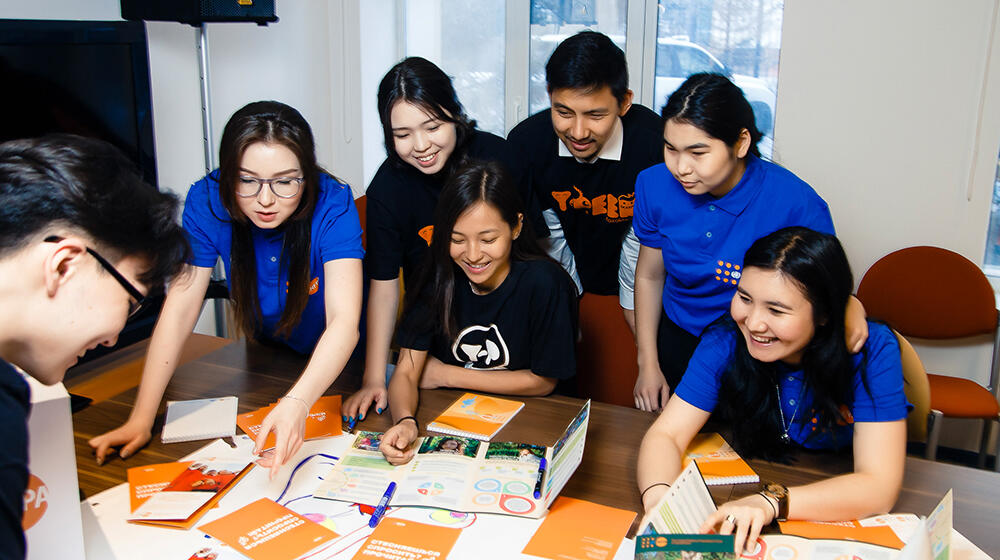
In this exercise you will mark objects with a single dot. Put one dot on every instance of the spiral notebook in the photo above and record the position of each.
(718, 462)
(476, 416)
(200, 419)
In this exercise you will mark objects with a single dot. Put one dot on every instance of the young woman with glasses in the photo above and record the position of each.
(290, 240)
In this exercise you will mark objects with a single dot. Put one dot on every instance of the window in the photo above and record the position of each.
(555, 20)
(466, 39)
(991, 263)
(739, 38)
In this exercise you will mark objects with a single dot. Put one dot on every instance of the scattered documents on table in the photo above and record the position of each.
(199, 419)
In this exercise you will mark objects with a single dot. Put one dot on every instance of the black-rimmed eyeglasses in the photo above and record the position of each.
(139, 299)
(282, 187)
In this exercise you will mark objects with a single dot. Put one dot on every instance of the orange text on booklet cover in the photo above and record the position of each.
(266, 530)
(323, 420)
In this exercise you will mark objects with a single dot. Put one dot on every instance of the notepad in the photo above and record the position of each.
(200, 419)
(476, 416)
(718, 462)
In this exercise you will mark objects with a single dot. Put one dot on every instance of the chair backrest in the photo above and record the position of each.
(929, 292)
(917, 390)
(362, 204)
(606, 362)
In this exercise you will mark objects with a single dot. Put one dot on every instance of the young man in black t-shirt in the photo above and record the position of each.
(82, 242)
(584, 154)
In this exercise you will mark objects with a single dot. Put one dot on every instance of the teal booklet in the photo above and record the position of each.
(656, 546)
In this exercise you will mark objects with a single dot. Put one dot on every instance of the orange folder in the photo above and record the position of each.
(580, 529)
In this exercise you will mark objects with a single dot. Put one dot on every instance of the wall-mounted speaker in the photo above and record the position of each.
(195, 12)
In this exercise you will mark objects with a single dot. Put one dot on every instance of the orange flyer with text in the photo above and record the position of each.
(323, 420)
(265, 530)
(580, 530)
(145, 481)
(399, 539)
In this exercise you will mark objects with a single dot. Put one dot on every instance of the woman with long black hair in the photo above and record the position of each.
(778, 370)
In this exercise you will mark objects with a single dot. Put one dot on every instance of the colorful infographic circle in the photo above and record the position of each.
(516, 487)
(487, 485)
(516, 504)
(430, 488)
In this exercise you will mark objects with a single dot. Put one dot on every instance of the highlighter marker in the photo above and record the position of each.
(382, 505)
(541, 475)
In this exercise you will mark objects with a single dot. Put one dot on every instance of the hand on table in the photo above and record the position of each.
(130, 436)
(744, 517)
(288, 421)
(396, 443)
(651, 390)
(357, 405)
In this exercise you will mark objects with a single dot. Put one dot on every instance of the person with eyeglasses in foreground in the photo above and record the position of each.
(290, 240)
(82, 241)
(777, 370)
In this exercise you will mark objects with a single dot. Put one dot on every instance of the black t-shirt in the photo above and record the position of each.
(593, 200)
(15, 403)
(528, 322)
(401, 201)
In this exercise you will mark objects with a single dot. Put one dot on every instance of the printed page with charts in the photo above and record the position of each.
(461, 474)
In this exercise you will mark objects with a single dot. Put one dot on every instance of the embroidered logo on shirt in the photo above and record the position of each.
(481, 348)
(426, 233)
(613, 208)
(727, 273)
(313, 286)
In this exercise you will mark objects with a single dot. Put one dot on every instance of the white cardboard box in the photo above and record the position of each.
(52, 500)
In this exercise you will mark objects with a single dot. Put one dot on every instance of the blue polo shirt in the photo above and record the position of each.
(336, 234)
(703, 238)
(879, 359)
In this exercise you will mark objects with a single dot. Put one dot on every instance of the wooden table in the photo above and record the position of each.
(259, 374)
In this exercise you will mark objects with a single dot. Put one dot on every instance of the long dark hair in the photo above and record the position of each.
(273, 123)
(474, 182)
(816, 263)
(714, 104)
(420, 82)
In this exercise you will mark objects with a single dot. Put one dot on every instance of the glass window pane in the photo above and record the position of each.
(992, 260)
(740, 38)
(555, 20)
(442, 32)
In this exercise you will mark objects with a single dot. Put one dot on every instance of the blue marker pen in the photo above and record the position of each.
(351, 423)
(382, 505)
(541, 475)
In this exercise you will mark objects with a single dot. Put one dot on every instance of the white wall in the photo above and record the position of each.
(891, 110)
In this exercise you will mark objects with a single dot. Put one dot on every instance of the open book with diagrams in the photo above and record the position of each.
(462, 474)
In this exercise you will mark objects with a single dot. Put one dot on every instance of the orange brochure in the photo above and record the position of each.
(577, 529)
(197, 489)
(265, 530)
(476, 416)
(399, 539)
(323, 420)
(846, 530)
(145, 481)
(717, 461)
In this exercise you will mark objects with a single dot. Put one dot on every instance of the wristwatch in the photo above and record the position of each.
(779, 492)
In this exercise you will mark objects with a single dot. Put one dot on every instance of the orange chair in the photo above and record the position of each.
(362, 204)
(934, 293)
(606, 362)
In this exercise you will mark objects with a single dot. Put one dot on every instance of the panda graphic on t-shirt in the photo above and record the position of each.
(481, 347)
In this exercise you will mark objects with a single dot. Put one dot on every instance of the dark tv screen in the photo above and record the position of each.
(89, 78)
